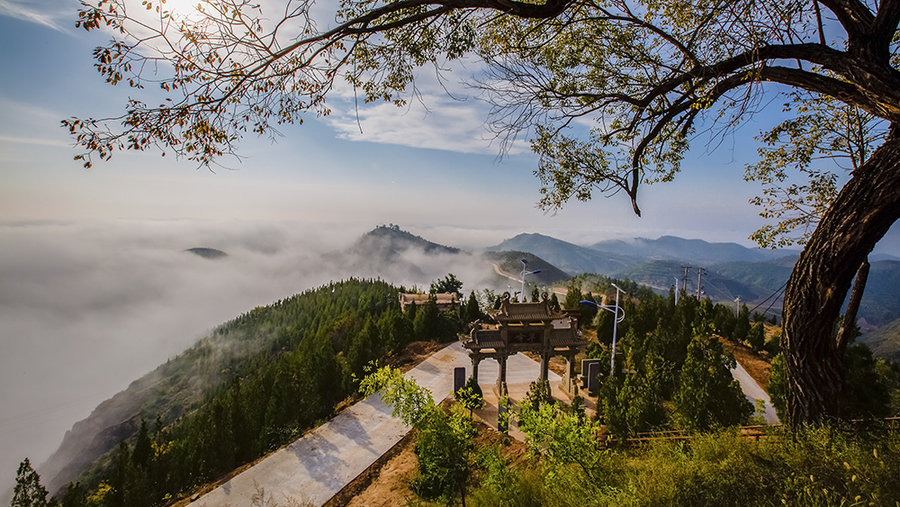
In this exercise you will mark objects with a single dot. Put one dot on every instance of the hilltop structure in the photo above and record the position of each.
(445, 301)
(526, 327)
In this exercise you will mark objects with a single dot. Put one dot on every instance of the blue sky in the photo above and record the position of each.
(426, 169)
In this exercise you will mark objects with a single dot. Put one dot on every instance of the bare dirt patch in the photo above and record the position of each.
(386, 482)
(413, 354)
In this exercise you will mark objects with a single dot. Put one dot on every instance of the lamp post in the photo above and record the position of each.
(620, 316)
(525, 273)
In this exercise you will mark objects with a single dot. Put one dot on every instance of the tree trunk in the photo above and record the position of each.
(862, 213)
(848, 323)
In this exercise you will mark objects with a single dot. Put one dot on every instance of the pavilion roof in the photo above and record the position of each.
(526, 312)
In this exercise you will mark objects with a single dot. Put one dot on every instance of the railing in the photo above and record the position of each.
(752, 431)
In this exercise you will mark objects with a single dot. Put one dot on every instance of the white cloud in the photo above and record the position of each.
(50, 13)
(441, 113)
(437, 122)
(34, 141)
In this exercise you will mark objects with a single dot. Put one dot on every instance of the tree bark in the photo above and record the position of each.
(862, 213)
(848, 323)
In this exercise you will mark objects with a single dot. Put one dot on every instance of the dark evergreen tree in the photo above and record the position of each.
(554, 302)
(707, 395)
(28, 492)
(447, 284)
(143, 447)
(741, 325)
(573, 295)
(427, 324)
(756, 338)
(473, 309)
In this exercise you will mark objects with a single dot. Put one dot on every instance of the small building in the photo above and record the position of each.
(446, 301)
(526, 327)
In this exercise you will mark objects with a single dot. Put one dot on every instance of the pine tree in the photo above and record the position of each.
(28, 491)
(708, 396)
(473, 310)
(573, 295)
(756, 338)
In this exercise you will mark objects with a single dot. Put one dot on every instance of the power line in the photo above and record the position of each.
(774, 294)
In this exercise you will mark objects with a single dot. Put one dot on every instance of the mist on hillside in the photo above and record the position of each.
(87, 308)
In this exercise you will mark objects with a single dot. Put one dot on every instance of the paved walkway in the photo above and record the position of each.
(317, 466)
(314, 468)
(754, 392)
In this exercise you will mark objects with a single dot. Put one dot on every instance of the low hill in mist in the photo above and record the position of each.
(386, 241)
(207, 253)
(884, 341)
(184, 382)
(510, 263)
(568, 257)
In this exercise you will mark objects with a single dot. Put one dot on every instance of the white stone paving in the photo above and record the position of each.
(315, 467)
(754, 392)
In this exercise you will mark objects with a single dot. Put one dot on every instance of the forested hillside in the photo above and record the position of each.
(254, 384)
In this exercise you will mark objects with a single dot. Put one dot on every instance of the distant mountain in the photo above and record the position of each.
(731, 270)
(883, 257)
(691, 250)
(390, 240)
(510, 263)
(885, 341)
(566, 256)
(207, 253)
(660, 275)
(390, 253)
(767, 276)
(881, 300)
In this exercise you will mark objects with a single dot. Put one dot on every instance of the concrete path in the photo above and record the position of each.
(521, 371)
(754, 392)
(314, 468)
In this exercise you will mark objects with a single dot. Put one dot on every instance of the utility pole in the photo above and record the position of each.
(612, 361)
(699, 278)
(676, 290)
(684, 280)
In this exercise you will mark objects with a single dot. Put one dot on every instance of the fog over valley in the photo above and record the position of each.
(85, 308)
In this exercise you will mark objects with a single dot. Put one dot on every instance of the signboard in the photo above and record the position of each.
(590, 373)
(459, 378)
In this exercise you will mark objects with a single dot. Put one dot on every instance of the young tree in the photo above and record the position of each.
(756, 338)
(554, 302)
(573, 295)
(444, 443)
(707, 395)
(647, 74)
(470, 396)
(632, 402)
(447, 284)
(28, 492)
(473, 309)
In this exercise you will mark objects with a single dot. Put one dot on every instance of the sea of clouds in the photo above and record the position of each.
(85, 308)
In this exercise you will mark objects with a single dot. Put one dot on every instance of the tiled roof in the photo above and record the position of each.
(443, 298)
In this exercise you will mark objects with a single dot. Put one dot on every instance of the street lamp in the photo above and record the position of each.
(620, 316)
(525, 273)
